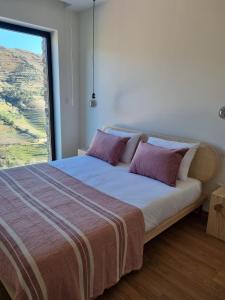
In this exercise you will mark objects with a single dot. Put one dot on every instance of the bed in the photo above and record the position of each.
(144, 206)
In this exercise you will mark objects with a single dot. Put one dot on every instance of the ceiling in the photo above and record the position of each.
(79, 5)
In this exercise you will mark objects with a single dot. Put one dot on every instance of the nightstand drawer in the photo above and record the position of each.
(216, 221)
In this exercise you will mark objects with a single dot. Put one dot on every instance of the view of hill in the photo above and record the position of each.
(23, 126)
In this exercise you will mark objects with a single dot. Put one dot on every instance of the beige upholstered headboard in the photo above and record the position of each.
(205, 164)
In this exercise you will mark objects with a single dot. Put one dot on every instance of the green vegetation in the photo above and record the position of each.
(23, 126)
(18, 155)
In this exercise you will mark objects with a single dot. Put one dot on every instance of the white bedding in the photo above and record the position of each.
(156, 200)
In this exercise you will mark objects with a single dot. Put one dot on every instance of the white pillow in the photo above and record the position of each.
(131, 144)
(188, 157)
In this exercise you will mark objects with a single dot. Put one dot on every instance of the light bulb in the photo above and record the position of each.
(93, 102)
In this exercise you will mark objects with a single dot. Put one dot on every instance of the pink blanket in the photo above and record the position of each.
(61, 239)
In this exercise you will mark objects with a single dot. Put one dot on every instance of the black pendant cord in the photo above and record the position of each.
(93, 49)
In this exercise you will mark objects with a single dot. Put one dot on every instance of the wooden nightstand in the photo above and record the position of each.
(81, 152)
(216, 220)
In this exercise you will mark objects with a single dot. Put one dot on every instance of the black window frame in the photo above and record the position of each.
(47, 36)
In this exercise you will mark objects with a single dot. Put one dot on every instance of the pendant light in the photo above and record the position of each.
(93, 102)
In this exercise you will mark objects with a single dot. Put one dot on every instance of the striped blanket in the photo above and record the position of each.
(61, 239)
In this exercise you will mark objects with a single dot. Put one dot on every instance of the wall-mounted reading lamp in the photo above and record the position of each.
(93, 102)
(222, 113)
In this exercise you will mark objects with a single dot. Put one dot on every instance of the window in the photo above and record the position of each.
(26, 96)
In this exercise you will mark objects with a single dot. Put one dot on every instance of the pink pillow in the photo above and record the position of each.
(107, 147)
(158, 163)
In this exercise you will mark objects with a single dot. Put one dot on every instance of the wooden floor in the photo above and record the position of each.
(182, 263)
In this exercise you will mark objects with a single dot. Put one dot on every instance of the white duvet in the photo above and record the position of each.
(156, 200)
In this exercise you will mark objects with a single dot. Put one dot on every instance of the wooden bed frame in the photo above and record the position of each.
(204, 168)
(172, 220)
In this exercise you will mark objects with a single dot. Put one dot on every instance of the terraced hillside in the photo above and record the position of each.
(23, 126)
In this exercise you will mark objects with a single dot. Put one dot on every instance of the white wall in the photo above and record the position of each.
(51, 14)
(160, 66)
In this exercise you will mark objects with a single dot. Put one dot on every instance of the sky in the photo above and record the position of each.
(23, 41)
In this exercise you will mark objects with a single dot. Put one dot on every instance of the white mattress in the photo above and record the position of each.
(156, 200)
